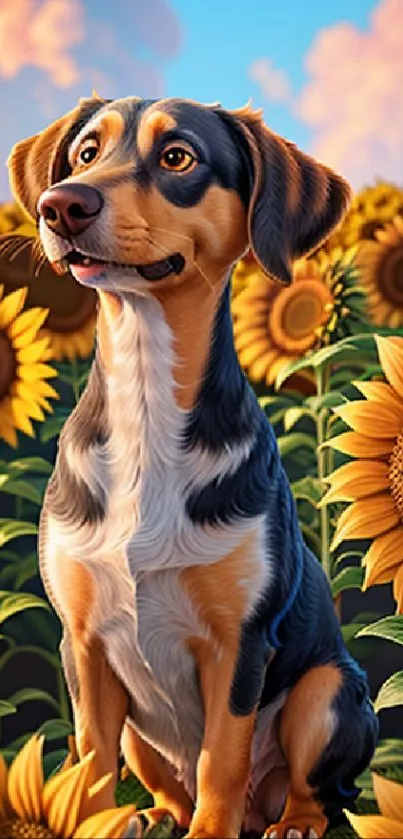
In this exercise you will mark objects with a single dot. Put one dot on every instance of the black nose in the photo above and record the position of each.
(70, 209)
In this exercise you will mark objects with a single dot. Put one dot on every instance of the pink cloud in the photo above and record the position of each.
(273, 83)
(41, 34)
(353, 100)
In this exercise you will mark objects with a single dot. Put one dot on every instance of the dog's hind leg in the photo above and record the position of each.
(150, 768)
(327, 734)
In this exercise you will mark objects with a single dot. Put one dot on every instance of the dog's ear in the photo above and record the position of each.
(40, 161)
(295, 202)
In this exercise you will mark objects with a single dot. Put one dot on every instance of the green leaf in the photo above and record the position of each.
(389, 752)
(12, 528)
(294, 414)
(53, 761)
(30, 464)
(391, 693)
(347, 578)
(52, 426)
(296, 440)
(326, 400)
(23, 489)
(6, 708)
(27, 569)
(33, 695)
(308, 488)
(55, 729)
(357, 554)
(10, 556)
(12, 603)
(314, 360)
(276, 400)
(390, 628)
(311, 537)
(131, 791)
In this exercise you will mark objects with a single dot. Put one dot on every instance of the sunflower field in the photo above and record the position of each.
(325, 357)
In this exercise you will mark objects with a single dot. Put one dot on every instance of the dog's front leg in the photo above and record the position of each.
(224, 761)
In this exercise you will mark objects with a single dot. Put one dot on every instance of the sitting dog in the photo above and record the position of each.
(199, 630)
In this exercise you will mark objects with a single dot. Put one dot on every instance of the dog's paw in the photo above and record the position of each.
(284, 830)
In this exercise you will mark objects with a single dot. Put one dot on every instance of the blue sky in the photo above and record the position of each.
(326, 73)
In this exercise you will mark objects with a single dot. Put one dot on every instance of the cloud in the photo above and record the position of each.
(353, 102)
(273, 83)
(41, 35)
(157, 26)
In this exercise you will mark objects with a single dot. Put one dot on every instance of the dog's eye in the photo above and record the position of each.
(177, 159)
(87, 152)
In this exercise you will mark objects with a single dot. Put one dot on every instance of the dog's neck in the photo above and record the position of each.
(187, 310)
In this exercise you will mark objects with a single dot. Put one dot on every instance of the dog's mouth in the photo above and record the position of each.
(173, 264)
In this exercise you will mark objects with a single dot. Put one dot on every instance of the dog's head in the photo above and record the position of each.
(133, 192)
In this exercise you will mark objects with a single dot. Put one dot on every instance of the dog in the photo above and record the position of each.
(199, 634)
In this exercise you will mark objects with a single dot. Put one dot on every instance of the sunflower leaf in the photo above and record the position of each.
(347, 578)
(12, 603)
(294, 414)
(22, 489)
(55, 729)
(308, 489)
(33, 695)
(12, 528)
(6, 708)
(390, 693)
(27, 569)
(27, 464)
(390, 628)
(52, 426)
(327, 400)
(289, 442)
(53, 761)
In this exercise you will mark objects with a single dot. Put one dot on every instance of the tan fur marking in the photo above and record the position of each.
(305, 731)
(110, 307)
(152, 125)
(225, 756)
(145, 762)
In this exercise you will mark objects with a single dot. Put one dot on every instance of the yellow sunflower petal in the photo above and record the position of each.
(248, 336)
(366, 518)
(33, 352)
(26, 408)
(20, 418)
(380, 392)
(28, 320)
(375, 827)
(4, 804)
(373, 419)
(398, 590)
(27, 392)
(31, 372)
(391, 358)
(8, 433)
(382, 557)
(356, 480)
(11, 306)
(44, 389)
(389, 796)
(108, 824)
(259, 369)
(356, 445)
(25, 781)
(62, 796)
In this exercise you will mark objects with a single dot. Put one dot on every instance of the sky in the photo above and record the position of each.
(327, 73)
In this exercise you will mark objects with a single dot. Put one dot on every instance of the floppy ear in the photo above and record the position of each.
(295, 202)
(36, 163)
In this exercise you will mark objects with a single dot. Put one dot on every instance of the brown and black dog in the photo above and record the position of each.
(199, 630)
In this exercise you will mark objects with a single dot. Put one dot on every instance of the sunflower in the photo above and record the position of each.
(245, 269)
(388, 825)
(275, 326)
(24, 392)
(381, 264)
(58, 808)
(70, 324)
(370, 208)
(11, 216)
(374, 481)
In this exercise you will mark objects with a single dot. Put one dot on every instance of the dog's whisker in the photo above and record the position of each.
(174, 234)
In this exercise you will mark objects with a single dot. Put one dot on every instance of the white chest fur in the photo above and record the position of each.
(136, 553)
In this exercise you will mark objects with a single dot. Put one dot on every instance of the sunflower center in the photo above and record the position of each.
(18, 829)
(390, 276)
(368, 228)
(70, 304)
(396, 474)
(297, 312)
(8, 365)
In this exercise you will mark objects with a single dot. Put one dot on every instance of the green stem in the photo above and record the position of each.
(322, 384)
(51, 658)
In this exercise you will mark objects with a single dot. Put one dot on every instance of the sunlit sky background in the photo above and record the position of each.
(328, 73)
